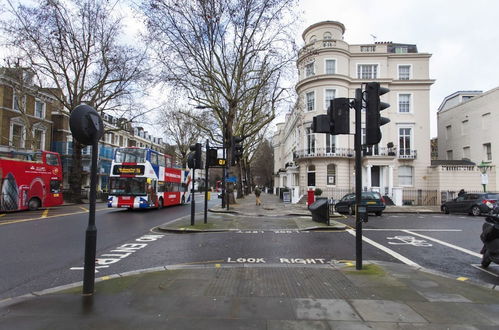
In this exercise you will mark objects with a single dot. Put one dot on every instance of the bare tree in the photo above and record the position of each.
(262, 167)
(74, 46)
(179, 123)
(229, 55)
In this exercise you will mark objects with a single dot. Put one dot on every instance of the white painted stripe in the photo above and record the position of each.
(400, 229)
(445, 243)
(387, 250)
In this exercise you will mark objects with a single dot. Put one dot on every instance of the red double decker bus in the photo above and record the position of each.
(30, 180)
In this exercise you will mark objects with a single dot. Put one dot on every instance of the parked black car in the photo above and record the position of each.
(471, 203)
(371, 199)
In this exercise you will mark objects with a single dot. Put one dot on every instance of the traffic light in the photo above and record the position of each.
(236, 149)
(212, 157)
(337, 120)
(321, 124)
(339, 113)
(194, 158)
(373, 108)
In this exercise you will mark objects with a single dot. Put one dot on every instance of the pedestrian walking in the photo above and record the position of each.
(257, 194)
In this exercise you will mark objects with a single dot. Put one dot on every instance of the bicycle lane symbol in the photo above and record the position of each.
(409, 240)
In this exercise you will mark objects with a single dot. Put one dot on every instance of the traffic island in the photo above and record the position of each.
(222, 222)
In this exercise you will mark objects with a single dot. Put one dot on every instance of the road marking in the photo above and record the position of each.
(45, 213)
(8, 222)
(121, 252)
(386, 250)
(477, 266)
(401, 229)
(445, 243)
(2, 215)
(462, 278)
(409, 240)
(84, 208)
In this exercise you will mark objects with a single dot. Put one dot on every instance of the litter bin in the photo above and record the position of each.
(320, 210)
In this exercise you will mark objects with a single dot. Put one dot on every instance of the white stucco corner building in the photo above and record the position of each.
(330, 67)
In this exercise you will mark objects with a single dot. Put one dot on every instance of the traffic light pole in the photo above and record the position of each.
(206, 183)
(193, 207)
(358, 177)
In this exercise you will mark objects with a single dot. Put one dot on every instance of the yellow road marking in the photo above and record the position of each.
(218, 265)
(84, 208)
(105, 278)
(462, 279)
(2, 215)
(8, 222)
(45, 213)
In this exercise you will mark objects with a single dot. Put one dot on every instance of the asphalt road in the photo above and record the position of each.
(39, 248)
(45, 252)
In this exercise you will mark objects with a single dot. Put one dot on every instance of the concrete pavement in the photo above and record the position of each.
(262, 296)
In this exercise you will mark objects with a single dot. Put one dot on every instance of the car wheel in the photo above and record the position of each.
(33, 204)
(351, 210)
(475, 210)
(379, 213)
(486, 260)
(445, 209)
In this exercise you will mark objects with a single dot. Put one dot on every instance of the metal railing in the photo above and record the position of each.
(373, 151)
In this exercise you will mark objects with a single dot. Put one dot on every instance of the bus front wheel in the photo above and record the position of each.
(34, 204)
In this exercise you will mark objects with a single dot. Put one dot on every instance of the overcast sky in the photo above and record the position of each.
(462, 36)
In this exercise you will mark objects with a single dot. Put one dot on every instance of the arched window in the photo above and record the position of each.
(311, 176)
(328, 35)
(405, 176)
(331, 174)
(313, 39)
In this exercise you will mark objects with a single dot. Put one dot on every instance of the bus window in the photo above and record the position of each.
(55, 186)
(154, 159)
(162, 160)
(52, 159)
(161, 186)
(130, 155)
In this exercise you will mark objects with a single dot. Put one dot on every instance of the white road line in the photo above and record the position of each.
(400, 229)
(478, 255)
(479, 267)
(387, 250)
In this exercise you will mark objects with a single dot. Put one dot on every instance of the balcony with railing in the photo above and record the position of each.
(372, 151)
(405, 153)
(324, 152)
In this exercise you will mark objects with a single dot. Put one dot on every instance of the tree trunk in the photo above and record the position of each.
(75, 173)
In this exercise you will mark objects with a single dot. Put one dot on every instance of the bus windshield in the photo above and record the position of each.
(127, 186)
(130, 155)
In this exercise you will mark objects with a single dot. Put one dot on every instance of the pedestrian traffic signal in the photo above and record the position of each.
(373, 108)
(194, 158)
(321, 124)
(339, 112)
(337, 120)
(236, 149)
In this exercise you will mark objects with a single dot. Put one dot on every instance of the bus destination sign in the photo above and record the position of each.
(129, 169)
